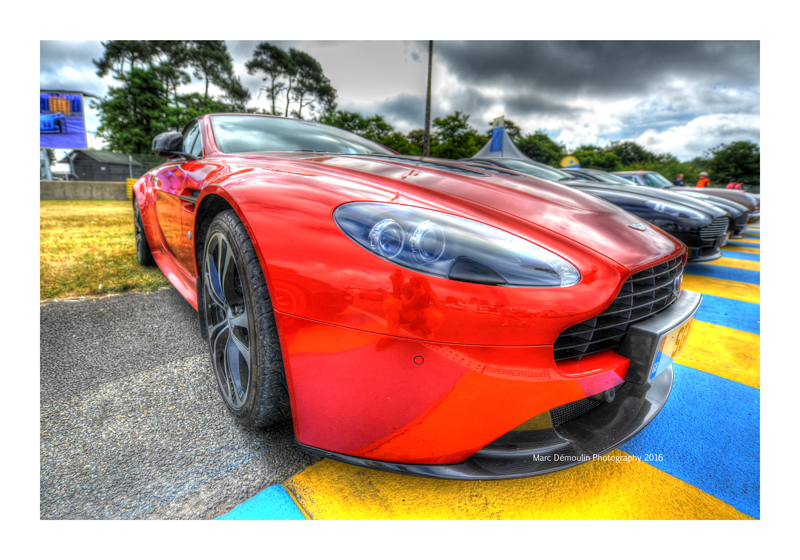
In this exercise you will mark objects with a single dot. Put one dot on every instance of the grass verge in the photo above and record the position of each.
(87, 248)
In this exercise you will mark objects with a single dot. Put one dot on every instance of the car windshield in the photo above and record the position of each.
(535, 170)
(656, 180)
(245, 133)
(604, 177)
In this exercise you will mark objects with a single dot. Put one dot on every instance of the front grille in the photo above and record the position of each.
(644, 294)
(566, 412)
(716, 228)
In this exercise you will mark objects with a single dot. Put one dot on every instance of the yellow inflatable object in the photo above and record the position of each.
(569, 161)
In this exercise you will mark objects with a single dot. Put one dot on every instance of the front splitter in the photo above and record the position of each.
(580, 440)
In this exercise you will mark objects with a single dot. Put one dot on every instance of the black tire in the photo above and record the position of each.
(240, 326)
(143, 254)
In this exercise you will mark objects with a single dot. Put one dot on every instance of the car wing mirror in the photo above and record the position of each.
(170, 145)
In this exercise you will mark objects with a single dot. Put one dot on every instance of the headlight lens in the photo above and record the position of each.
(386, 238)
(672, 210)
(452, 247)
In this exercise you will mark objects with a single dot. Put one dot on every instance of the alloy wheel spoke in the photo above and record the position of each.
(213, 331)
(243, 346)
(240, 320)
(215, 297)
(233, 353)
(219, 350)
(228, 277)
(214, 277)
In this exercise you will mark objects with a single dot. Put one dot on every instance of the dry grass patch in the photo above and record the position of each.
(87, 247)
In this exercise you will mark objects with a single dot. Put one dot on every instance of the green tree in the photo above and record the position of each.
(311, 87)
(132, 114)
(595, 157)
(512, 129)
(119, 53)
(455, 138)
(398, 142)
(272, 61)
(374, 128)
(417, 140)
(738, 162)
(210, 61)
(235, 95)
(171, 58)
(630, 152)
(540, 147)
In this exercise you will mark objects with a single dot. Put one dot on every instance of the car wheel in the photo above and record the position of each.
(143, 254)
(239, 320)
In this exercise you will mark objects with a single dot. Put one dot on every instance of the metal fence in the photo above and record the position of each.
(102, 165)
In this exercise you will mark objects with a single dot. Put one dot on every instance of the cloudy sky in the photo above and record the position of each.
(681, 97)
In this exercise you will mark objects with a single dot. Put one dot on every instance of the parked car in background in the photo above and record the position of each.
(746, 199)
(52, 122)
(598, 175)
(524, 326)
(653, 179)
(645, 178)
(702, 227)
(738, 215)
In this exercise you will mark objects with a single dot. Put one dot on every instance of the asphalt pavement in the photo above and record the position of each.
(132, 425)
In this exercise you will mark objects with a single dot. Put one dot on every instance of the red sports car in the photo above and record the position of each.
(521, 326)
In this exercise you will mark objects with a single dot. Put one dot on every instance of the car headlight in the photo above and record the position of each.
(452, 247)
(672, 210)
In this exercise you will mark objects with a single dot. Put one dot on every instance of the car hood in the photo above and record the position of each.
(730, 194)
(583, 219)
(734, 208)
(649, 193)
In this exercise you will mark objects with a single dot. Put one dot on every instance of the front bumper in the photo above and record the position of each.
(754, 218)
(543, 444)
(551, 449)
(700, 249)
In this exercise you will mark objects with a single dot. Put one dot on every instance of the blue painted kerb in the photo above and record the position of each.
(273, 503)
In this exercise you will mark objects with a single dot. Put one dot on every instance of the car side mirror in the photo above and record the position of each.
(169, 145)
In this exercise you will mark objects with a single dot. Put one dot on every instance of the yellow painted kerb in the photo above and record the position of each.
(598, 489)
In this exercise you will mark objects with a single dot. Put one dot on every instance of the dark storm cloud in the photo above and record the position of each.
(600, 68)
(68, 65)
(411, 108)
(536, 104)
(404, 107)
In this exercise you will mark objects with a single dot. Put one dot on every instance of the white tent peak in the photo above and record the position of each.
(509, 149)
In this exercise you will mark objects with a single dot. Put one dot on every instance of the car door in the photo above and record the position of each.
(169, 187)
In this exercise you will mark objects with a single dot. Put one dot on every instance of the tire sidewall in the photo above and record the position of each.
(247, 413)
(143, 253)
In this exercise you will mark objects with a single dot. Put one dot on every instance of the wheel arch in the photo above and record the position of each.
(213, 201)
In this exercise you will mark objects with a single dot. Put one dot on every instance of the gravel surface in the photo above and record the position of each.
(95, 340)
(133, 426)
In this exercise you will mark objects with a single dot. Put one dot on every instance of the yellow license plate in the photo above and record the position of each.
(671, 345)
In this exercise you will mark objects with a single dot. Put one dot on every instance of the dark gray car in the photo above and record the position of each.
(654, 179)
(702, 227)
(738, 215)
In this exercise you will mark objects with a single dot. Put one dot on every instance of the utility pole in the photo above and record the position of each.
(426, 146)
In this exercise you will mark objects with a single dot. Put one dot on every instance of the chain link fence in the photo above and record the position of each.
(102, 165)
